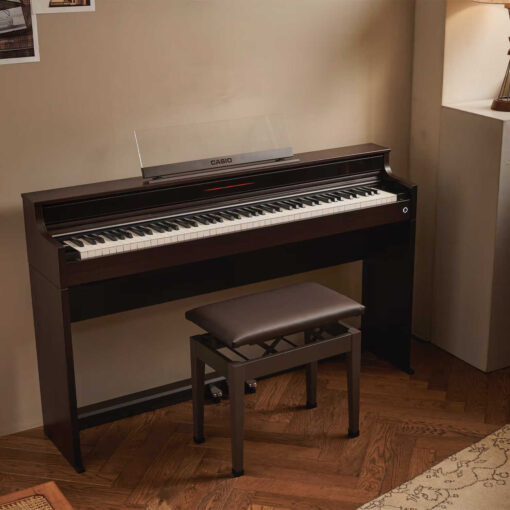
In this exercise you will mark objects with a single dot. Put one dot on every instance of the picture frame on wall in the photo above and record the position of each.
(62, 6)
(18, 32)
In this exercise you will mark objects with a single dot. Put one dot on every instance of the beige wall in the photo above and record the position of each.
(429, 32)
(476, 46)
(340, 70)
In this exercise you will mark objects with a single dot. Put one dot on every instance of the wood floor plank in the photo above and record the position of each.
(295, 458)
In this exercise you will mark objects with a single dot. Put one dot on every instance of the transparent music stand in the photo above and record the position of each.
(168, 151)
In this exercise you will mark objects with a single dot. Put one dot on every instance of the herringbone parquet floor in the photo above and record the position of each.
(295, 458)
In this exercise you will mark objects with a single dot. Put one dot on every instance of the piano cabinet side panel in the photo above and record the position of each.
(388, 296)
(56, 366)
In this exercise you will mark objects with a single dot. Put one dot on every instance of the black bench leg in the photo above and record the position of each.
(311, 378)
(236, 396)
(197, 389)
(353, 377)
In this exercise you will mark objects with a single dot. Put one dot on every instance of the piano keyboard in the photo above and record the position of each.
(209, 223)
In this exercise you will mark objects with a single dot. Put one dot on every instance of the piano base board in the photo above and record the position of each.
(139, 402)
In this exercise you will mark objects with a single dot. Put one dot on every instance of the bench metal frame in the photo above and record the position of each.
(205, 350)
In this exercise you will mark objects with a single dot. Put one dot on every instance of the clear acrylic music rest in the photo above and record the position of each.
(179, 149)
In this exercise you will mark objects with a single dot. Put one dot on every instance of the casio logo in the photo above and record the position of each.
(223, 161)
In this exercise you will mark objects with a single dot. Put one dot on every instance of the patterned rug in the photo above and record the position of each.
(43, 497)
(473, 479)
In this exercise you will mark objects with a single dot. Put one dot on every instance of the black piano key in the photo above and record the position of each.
(201, 219)
(210, 218)
(267, 208)
(165, 228)
(156, 227)
(89, 239)
(297, 202)
(323, 199)
(137, 231)
(332, 197)
(109, 235)
(258, 209)
(275, 206)
(283, 205)
(344, 194)
(182, 223)
(360, 191)
(225, 215)
(191, 221)
(236, 215)
(172, 225)
(216, 217)
(98, 238)
(291, 204)
(122, 234)
(244, 212)
(76, 242)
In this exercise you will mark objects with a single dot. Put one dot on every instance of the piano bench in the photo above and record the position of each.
(246, 339)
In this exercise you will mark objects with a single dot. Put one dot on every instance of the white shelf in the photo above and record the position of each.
(481, 108)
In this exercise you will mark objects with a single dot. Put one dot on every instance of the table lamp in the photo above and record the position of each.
(502, 102)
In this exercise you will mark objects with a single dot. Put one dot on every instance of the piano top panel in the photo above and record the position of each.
(137, 183)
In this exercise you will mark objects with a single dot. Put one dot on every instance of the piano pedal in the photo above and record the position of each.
(215, 393)
(251, 386)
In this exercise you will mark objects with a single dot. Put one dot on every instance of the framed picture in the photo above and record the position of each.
(59, 6)
(18, 32)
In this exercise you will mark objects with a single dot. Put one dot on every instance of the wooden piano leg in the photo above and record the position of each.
(56, 367)
(388, 297)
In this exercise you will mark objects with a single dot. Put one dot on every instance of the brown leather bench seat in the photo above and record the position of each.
(265, 315)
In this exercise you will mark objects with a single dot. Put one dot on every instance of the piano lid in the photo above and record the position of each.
(178, 149)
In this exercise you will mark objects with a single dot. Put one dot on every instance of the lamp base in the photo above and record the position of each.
(501, 105)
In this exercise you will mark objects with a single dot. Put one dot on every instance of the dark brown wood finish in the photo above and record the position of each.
(66, 291)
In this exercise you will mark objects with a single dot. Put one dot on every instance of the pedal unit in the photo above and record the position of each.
(215, 393)
(251, 386)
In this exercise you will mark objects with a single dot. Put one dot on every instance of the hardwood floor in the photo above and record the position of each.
(295, 458)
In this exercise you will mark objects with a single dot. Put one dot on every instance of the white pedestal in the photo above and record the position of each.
(472, 262)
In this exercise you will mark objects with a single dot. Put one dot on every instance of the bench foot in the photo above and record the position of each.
(311, 405)
(351, 434)
(199, 440)
(236, 474)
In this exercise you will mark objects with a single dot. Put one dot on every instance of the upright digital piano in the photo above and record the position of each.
(107, 247)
